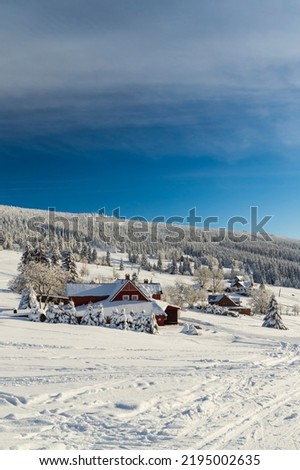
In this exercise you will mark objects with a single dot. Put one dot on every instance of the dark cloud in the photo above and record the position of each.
(61, 44)
(166, 76)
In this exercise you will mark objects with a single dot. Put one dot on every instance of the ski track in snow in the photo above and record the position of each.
(205, 404)
(235, 386)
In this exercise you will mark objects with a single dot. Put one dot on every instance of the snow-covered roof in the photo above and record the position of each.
(163, 305)
(95, 290)
(216, 298)
(245, 284)
(128, 281)
(151, 288)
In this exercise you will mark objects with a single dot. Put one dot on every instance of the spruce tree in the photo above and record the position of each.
(69, 265)
(55, 256)
(144, 261)
(39, 254)
(273, 318)
(108, 262)
(26, 256)
(159, 263)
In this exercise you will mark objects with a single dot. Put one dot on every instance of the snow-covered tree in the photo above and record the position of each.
(145, 322)
(173, 268)
(189, 329)
(185, 266)
(71, 313)
(144, 261)
(182, 294)
(217, 277)
(107, 259)
(39, 254)
(47, 281)
(35, 313)
(26, 256)
(28, 298)
(121, 320)
(260, 300)
(55, 256)
(203, 274)
(273, 318)
(93, 316)
(61, 314)
(94, 256)
(69, 265)
(159, 263)
(84, 271)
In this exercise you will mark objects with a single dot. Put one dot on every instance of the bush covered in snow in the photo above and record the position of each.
(145, 322)
(28, 298)
(216, 310)
(35, 313)
(190, 329)
(61, 313)
(121, 320)
(140, 321)
(93, 316)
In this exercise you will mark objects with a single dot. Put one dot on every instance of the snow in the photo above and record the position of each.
(82, 290)
(234, 386)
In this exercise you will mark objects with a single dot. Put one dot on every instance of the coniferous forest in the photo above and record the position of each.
(276, 261)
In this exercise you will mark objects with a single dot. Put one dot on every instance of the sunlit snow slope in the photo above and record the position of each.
(236, 386)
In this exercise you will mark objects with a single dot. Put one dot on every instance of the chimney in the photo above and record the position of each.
(146, 281)
(127, 277)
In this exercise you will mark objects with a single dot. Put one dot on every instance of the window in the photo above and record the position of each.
(125, 297)
(134, 297)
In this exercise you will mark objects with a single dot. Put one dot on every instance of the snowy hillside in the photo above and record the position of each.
(235, 386)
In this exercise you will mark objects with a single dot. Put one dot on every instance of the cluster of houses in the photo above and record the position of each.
(231, 298)
(146, 296)
(137, 297)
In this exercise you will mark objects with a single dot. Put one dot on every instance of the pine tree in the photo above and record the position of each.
(121, 265)
(144, 261)
(70, 312)
(39, 254)
(273, 318)
(61, 313)
(108, 261)
(28, 298)
(144, 322)
(35, 313)
(55, 256)
(84, 252)
(173, 267)
(93, 317)
(122, 321)
(94, 256)
(26, 256)
(159, 263)
(89, 255)
(69, 265)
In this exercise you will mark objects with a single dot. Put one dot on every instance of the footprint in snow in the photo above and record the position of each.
(292, 416)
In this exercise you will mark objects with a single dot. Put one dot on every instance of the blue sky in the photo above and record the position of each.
(154, 106)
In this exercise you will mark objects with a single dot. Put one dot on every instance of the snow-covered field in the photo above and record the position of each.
(235, 386)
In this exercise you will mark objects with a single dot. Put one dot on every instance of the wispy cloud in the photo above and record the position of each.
(161, 78)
